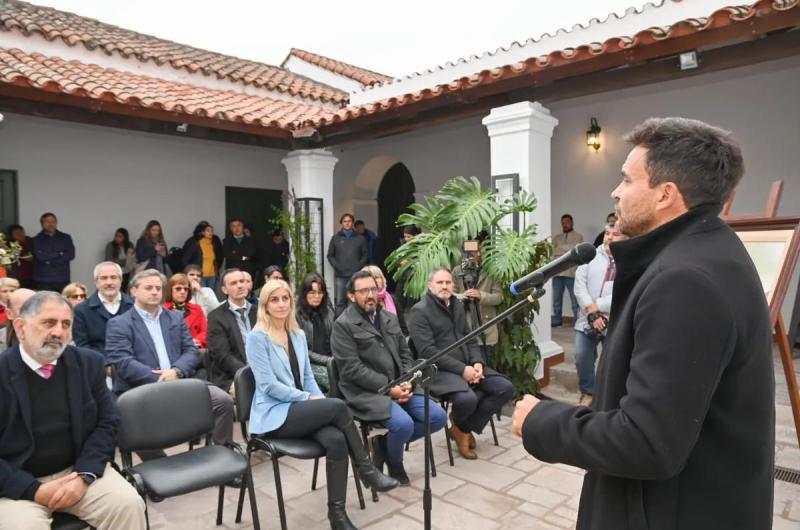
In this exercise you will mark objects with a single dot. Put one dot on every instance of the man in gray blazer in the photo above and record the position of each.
(150, 344)
(370, 350)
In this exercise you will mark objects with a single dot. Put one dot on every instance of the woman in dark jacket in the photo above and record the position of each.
(120, 251)
(24, 269)
(205, 250)
(151, 249)
(315, 316)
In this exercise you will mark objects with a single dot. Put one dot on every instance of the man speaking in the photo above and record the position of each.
(680, 435)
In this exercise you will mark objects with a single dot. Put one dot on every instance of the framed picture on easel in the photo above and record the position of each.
(773, 244)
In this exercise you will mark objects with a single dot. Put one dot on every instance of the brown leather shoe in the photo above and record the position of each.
(462, 442)
(472, 443)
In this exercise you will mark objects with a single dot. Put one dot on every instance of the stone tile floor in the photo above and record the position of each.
(504, 488)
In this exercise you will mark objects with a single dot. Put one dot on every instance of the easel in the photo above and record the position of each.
(769, 221)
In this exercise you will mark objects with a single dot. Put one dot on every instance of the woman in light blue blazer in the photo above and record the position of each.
(289, 404)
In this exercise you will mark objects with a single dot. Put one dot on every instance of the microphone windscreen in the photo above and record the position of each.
(585, 252)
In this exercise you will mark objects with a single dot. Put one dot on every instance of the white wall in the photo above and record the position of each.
(757, 103)
(96, 179)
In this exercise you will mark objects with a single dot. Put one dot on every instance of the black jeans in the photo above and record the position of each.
(321, 420)
(473, 408)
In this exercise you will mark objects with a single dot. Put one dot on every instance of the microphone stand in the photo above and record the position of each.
(424, 370)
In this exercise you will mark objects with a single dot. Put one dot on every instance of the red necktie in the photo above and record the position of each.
(47, 371)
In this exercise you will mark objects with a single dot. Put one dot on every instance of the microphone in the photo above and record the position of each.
(582, 253)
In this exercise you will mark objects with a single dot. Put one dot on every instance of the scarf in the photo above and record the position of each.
(386, 300)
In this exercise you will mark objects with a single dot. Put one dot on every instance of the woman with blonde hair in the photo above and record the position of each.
(289, 404)
(75, 293)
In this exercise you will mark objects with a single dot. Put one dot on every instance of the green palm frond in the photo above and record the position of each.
(509, 254)
(423, 254)
(520, 202)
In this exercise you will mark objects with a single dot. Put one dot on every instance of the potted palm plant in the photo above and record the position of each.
(458, 213)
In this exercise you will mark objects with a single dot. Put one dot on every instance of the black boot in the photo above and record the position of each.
(337, 494)
(371, 477)
(399, 473)
(378, 451)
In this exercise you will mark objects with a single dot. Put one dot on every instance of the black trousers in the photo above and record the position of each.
(319, 419)
(473, 408)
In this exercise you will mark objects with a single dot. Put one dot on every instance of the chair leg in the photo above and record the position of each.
(408, 445)
(448, 437)
(494, 432)
(240, 504)
(251, 489)
(314, 476)
(359, 491)
(219, 504)
(146, 513)
(279, 490)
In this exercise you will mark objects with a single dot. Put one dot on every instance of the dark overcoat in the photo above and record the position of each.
(367, 359)
(433, 326)
(681, 433)
(226, 349)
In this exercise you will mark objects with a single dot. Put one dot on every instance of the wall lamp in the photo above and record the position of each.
(593, 135)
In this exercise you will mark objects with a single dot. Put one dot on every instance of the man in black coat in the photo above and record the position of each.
(475, 391)
(57, 427)
(92, 316)
(370, 350)
(228, 326)
(241, 252)
(682, 428)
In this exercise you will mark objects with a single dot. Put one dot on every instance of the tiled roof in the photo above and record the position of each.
(76, 30)
(721, 18)
(91, 81)
(361, 75)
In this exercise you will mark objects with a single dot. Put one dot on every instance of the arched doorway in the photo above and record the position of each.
(395, 194)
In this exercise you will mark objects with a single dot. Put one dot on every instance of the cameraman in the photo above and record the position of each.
(593, 286)
(473, 287)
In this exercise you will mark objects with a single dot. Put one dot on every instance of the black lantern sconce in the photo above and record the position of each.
(593, 135)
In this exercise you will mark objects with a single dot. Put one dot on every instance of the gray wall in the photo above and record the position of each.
(97, 179)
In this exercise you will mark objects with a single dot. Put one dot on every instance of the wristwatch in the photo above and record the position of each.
(179, 372)
(88, 477)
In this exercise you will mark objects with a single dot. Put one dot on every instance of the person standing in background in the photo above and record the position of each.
(52, 252)
(563, 243)
(24, 268)
(120, 251)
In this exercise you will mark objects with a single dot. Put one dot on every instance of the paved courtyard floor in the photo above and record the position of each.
(504, 488)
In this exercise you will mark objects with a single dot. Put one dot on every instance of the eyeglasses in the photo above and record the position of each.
(77, 297)
(366, 291)
(180, 288)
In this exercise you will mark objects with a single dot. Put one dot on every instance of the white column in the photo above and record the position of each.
(311, 175)
(520, 137)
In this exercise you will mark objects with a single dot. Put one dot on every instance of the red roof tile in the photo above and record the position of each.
(73, 29)
(91, 81)
(727, 16)
(361, 75)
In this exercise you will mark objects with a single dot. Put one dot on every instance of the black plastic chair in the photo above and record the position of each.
(303, 449)
(446, 405)
(166, 414)
(66, 521)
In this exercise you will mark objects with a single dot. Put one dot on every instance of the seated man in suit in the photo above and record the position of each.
(475, 391)
(91, 316)
(57, 428)
(228, 326)
(150, 344)
(370, 350)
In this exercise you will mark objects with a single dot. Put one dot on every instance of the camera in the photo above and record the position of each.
(592, 331)
(470, 268)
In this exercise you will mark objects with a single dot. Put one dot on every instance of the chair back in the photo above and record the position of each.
(164, 414)
(333, 379)
(245, 384)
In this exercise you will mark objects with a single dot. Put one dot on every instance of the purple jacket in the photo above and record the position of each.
(51, 257)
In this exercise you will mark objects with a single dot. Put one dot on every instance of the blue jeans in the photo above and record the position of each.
(407, 424)
(585, 359)
(210, 282)
(340, 289)
(559, 284)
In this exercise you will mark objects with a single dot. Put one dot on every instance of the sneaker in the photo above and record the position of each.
(585, 400)
(399, 473)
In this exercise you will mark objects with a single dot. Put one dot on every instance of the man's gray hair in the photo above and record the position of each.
(33, 306)
(438, 269)
(147, 273)
(102, 264)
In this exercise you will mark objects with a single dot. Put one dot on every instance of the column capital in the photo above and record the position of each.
(317, 158)
(525, 116)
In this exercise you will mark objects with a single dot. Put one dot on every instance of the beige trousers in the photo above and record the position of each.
(110, 503)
